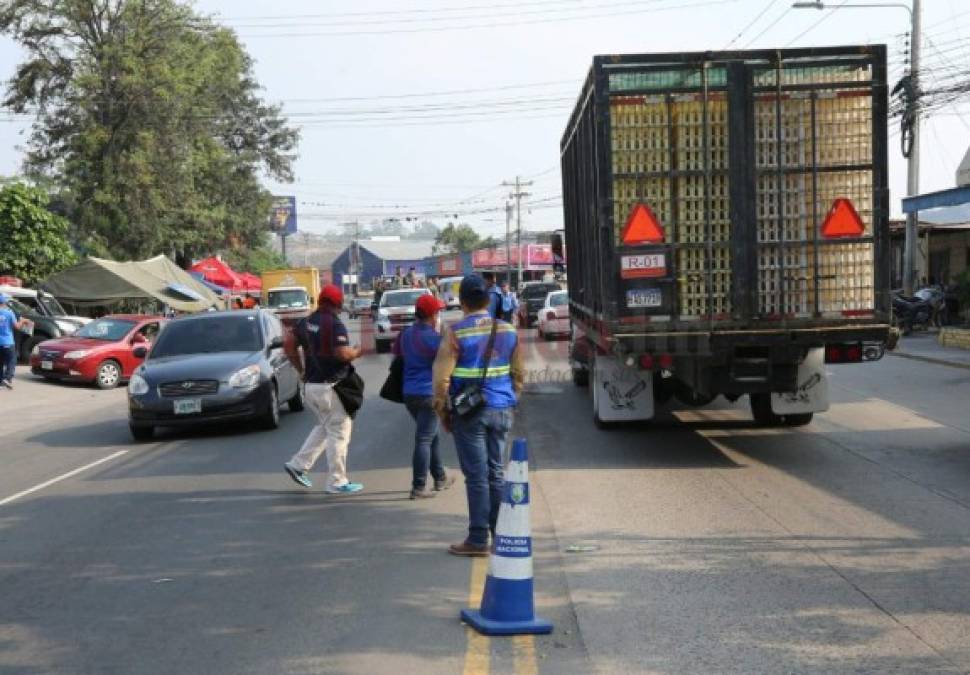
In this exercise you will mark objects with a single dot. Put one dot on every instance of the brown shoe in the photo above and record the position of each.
(445, 482)
(467, 550)
(422, 494)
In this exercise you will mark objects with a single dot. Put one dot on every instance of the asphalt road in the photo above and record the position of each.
(696, 544)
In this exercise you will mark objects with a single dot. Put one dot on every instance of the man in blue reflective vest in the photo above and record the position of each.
(494, 295)
(480, 435)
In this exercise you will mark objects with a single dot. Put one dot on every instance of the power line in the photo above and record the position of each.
(497, 24)
(767, 28)
(822, 19)
(753, 21)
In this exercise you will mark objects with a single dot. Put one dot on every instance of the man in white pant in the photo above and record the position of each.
(327, 355)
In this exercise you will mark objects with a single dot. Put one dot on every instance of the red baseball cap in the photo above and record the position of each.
(428, 305)
(332, 295)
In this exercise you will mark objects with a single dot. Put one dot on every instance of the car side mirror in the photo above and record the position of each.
(275, 343)
(140, 352)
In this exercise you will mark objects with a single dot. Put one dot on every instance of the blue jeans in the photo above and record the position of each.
(480, 440)
(426, 453)
(8, 362)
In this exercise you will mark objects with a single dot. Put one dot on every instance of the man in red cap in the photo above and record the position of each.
(418, 345)
(327, 355)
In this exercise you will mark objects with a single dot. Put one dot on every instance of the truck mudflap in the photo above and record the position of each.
(620, 393)
(812, 394)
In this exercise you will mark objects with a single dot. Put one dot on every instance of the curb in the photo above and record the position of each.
(930, 359)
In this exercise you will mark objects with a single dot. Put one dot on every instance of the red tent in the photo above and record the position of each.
(218, 272)
(253, 283)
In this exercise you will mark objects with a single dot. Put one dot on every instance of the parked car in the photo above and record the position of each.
(532, 297)
(554, 316)
(358, 307)
(49, 318)
(213, 367)
(395, 312)
(448, 289)
(101, 352)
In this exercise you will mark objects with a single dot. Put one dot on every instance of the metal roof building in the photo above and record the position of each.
(382, 257)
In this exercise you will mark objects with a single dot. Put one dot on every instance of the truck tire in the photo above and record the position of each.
(763, 415)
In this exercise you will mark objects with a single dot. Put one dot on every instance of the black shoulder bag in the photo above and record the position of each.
(393, 389)
(472, 396)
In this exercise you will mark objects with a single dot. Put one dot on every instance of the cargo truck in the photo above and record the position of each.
(291, 293)
(726, 215)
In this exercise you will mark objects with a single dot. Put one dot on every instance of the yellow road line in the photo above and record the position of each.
(524, 649)
(478, 652)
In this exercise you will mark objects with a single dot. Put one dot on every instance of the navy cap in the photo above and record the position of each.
(472, 289)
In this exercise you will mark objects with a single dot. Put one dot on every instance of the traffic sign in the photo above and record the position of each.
(642, 227)
(843, 221)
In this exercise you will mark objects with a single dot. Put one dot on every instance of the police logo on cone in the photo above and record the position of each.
(508, 606)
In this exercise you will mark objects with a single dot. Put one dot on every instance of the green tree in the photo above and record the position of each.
(148, 122)
(33, 240)
(255, 260)
(456, 239)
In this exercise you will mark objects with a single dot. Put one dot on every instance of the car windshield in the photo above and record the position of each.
(52, 305)
(19, 308)
(361, 302)
(108, 330)
(290, 299)
(206, 335)
(558, 299)
(403, 299)
(539, 290)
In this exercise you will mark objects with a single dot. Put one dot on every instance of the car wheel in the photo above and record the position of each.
(109, 375)
(141, 433)
(271, 418)
(295, 404)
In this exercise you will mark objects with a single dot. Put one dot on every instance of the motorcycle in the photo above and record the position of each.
(913, 313)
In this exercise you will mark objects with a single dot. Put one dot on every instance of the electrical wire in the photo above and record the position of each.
(767, 28)
(771, 3)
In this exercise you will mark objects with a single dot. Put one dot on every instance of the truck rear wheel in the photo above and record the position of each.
(765, 417)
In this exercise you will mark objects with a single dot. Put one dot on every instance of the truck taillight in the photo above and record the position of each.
(843, 353)
(646, 361)
(666, 361)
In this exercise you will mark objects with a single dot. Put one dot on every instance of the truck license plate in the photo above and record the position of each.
(47, 365)
(643, 297)
(646, 265)
(188, 406)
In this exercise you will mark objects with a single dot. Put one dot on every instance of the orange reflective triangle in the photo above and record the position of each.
(843, 221)
(642, 227)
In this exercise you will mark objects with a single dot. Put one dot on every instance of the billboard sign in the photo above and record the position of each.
(282, 218)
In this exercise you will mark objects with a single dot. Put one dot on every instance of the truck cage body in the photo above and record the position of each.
(738, 156)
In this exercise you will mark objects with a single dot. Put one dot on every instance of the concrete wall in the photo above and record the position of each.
(955, 337)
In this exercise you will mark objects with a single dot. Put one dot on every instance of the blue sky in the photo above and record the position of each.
(524, 58)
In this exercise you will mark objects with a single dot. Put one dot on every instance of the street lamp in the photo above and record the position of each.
(912, 167)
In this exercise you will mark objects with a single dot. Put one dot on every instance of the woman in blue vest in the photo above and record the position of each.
(418, 344)
(481, 435)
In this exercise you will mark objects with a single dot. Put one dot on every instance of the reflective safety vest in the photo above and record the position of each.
(471, 334)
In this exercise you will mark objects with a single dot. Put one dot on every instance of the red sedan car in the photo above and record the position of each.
(101, 352)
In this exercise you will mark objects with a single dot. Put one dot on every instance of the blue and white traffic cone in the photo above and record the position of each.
(508, 606)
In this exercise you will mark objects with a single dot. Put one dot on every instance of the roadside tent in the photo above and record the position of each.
(253, 283)
(219, 273)
(96, 282)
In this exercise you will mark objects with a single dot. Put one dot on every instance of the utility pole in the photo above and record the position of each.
(508, 241)
(912, 167)
(517, 196)
(306, 249)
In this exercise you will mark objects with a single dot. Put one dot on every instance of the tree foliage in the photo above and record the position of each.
(456, 239)
(34, 241)
(256, 260)
(148, 122)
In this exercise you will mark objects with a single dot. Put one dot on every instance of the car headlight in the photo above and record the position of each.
(137, 386)
(35, 351)
(78, 354)
(245, 378)
(382, 313)
(66, 327)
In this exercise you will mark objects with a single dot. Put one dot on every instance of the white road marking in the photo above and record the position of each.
(69, 474)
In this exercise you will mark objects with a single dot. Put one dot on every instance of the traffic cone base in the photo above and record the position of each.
(507, 602)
